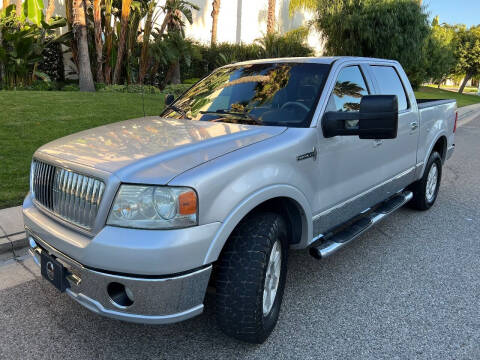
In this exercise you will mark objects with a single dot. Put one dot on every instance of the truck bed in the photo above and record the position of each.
(426, 103)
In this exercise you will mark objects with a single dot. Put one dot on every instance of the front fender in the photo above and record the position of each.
(248, 204)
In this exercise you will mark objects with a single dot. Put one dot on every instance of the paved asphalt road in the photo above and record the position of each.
(409, 288)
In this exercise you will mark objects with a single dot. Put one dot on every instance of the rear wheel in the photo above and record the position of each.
(425, 190)
(251, 277)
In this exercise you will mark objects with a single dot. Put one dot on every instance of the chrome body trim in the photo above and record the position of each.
(66, 194)
(328, 219)
(157, 300)
(330, 246)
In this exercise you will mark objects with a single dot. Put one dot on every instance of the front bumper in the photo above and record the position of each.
(156, 300)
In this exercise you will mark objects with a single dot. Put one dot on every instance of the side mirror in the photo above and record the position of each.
(377, 119)
(169, 99)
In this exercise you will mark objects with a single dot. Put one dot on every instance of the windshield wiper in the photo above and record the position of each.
(243, 115)
(178, 110)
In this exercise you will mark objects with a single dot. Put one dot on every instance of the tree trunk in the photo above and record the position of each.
(50, 10)
(215, 11)
(18, 7)
(146, 39)
(175, 79)
(5, 4)
(164, 24)
(97, 21)
(85, 78)
(108, 41)
(271, 17)
(468, 76)
(122, 40)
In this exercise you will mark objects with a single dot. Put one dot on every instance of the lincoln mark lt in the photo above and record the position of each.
(134, 220)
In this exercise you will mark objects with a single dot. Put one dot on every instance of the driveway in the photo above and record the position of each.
(408, 288)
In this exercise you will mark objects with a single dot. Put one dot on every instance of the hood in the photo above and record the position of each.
(154, 149)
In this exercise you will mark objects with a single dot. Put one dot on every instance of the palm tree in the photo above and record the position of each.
(175, 10)
(296, 5)
(18, 7)
(146, 40)
(108, 41)
(271, 17)
(97, 23)
(122, 40)
(85, 78)
(50, 10)
(215, 12)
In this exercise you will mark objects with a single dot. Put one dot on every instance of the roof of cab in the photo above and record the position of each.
(318, 60)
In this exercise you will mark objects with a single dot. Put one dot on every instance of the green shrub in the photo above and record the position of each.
(290, 44)
(176, 90)
(71, 87)
(100, 86)
(191, 81)
(52, 61)
(41, 86)
(135, 89)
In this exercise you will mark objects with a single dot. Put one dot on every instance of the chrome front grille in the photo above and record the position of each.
(69, 195)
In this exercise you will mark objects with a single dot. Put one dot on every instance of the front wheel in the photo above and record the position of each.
(425, 190)
(250, 279)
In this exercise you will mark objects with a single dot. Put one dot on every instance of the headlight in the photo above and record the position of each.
(154, 207)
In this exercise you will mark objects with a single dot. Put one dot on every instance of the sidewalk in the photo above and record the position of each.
(467, 114)
(12, 234)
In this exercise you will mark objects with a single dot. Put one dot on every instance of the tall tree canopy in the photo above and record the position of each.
(393, 29)
(440, 52)
(468, 54)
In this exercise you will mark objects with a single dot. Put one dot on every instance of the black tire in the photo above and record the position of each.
(240, 278)
(420, 200)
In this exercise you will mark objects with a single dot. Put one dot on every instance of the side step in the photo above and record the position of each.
(331, 243)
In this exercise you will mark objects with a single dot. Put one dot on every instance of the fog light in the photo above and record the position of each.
(120, 295)
(32, 242)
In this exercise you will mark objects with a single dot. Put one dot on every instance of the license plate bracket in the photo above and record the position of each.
(53, 271)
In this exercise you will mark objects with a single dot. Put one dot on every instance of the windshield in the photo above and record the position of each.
(275, 94)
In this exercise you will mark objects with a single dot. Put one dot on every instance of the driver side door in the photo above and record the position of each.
(347, 166)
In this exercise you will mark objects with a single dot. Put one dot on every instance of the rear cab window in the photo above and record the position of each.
(389, 83)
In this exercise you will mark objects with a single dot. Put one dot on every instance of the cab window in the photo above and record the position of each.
(349, 89)
(390, 84)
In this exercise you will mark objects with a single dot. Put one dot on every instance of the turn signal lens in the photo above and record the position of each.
(456, 119)
(187, 203)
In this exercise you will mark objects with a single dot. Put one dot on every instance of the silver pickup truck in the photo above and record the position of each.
(134, 220)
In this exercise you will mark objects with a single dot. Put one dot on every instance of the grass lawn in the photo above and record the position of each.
(433, 93)
(29, 119)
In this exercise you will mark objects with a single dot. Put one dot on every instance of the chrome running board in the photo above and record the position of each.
(335, 240)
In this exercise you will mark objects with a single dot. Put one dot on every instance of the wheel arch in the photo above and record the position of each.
(440, 144)
(283, 199)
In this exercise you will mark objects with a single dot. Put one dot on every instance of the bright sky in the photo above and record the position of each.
(455, 11)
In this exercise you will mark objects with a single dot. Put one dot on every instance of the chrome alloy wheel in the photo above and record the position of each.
(432, 180)
(272, 277)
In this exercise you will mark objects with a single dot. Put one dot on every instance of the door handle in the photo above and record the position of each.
(413, 126)
(377, 142)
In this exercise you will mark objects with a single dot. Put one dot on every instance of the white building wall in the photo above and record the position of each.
(243, 21)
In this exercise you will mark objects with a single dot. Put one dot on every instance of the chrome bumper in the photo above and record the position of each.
(155, 300)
